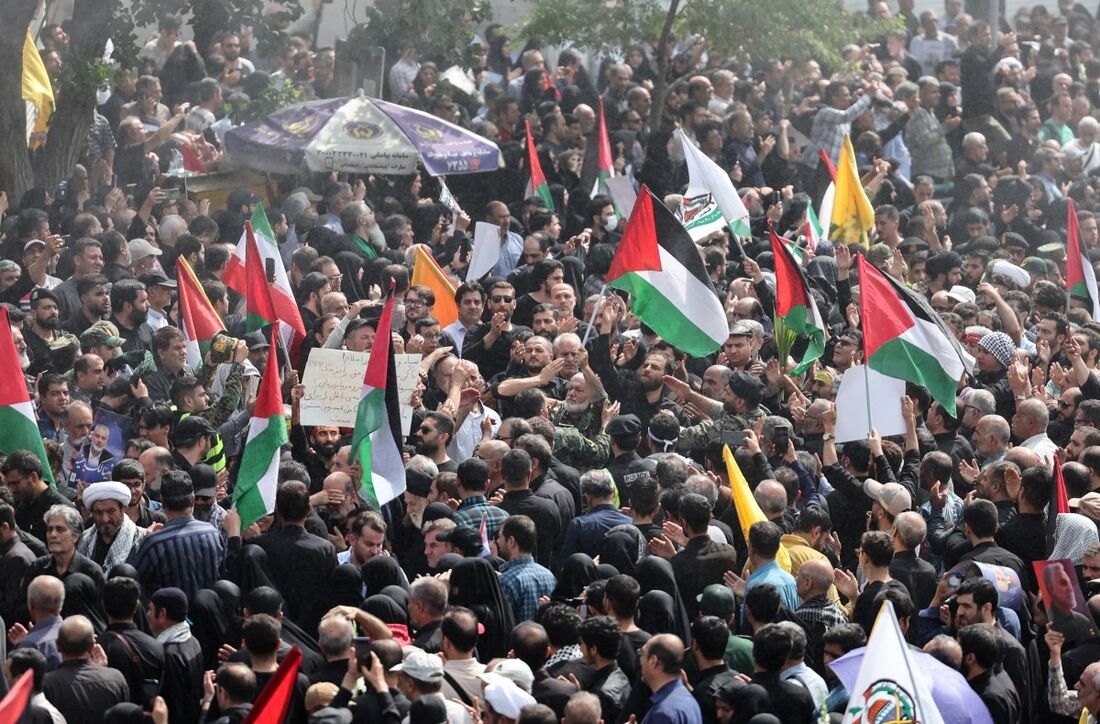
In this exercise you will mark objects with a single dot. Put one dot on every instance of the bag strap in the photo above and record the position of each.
(458, 689)
(134, 658)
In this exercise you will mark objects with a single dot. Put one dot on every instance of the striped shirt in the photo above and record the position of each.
(185, 553)
(523, 582)
(830, 125)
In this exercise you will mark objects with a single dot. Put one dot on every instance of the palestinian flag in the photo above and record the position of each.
(292, 329)
(271, 705)
(259, 306)
(198, 320)
(598, 162)
(711, 202)
(17, 418)
(15, 701)
(376, 442)
(1059, 503)
(824, 186)
(537, 185)
(659, 265)
(813, 233)
(258, 477)
(905, 339)
(794, 304)
(1080, 276)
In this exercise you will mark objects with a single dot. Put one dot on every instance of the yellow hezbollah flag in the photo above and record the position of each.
(427, 272)
(748, 512)
(37, 90)
(853, 215)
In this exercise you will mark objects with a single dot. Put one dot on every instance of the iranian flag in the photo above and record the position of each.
(598, 162)
(376, 442)
(17, 418)
(258, 477)
(291, 329)
(659, 265)
(795, 305)
(259, 305)
(536, 185)
(1080, 276)
(905, 339)
(710, 202)
(198, 320)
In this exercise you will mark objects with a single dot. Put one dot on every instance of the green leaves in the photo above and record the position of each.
(441, 30)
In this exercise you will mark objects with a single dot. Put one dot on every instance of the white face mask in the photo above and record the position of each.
(611, 223)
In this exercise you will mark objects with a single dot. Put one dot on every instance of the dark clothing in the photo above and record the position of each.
(553, 692)
(138, 656)
(918, 577)
(15, 559)
(701, 563)
(296, 712)
(999, 696)
(29, 516)
(1025, 536)
(976, 74)
(993, 554)
(82, 691)
(493, 360)
(181, 686)
(547, 520)
(611, 686)
(705, 686)
(430, 638)
(618, 467)
(331, 671)
(46, 566)
(585, 533)
(622, 384)
(300, 565)
(548, 487)
(865, 610)
(185, 553)
(793, 703)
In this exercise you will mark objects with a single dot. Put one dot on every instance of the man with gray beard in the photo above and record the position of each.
(579, 439)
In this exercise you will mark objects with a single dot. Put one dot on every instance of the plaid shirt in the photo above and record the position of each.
(524, 582)
(927, 146)
(101, 140)
(822, 611)
(829, 128)
(474, 508)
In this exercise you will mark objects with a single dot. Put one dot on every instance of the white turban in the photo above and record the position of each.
(109, 490)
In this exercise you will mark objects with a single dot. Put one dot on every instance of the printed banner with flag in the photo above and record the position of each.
(1058, 503)
(904, 338)
(271, 705)
(598, 164)
(376, 442)
(37, 88)
(447, 199)
(659, 265)
(258, 477)
(795, 305)
(17, 416)
(15, 701)
(291, 328)
(711, 202)
(198, 320)
(426, 271)
(259, 306)
(852, 216)
(1080, 275)
(536, 185)
(890, 687)
(748, 510)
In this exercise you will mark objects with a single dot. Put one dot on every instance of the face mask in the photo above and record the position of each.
(611, 223)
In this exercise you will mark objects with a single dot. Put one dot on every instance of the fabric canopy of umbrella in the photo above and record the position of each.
(358, 135)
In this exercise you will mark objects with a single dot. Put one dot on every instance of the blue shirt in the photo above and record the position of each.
(511, 251)
(673, 704)
(185, 553)
(585, 533)
(783, 582)
(43, 636)
(523, 582)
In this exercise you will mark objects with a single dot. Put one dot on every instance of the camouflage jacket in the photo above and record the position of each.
(698, 436)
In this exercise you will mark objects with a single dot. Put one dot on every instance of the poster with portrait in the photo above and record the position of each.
(1062, 598)
(104, 446)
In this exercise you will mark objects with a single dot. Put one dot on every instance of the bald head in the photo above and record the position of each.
(45, 596)
(818, 573)
(911, 529)
(664, 654)
(1023, 457)
(492, 451)
(946, 649)
(1031, 418)
(771, 496)
(75, 638)
(583, 708)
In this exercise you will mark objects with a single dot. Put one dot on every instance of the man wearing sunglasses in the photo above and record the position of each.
(489, 344)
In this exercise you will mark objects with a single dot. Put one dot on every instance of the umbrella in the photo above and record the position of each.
(358, 135)
(955, 700)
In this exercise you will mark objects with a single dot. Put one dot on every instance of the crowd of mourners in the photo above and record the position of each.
(566, 548)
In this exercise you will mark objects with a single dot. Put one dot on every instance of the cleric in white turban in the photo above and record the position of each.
(114, 538)
(108, 490)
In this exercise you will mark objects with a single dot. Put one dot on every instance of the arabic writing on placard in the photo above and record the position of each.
(333, 380)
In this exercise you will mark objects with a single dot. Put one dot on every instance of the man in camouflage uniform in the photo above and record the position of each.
(579, 439)
(741, 409)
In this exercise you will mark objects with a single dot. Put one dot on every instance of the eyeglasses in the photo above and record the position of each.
(499, 298)
(414, 303)
(430, 335)
(335, 277)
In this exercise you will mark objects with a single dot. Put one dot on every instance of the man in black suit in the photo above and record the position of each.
(981, 653)
(515, 468)
(139, 656)
(300, 563)
(702, 561)
(531, 645)
(918, 576)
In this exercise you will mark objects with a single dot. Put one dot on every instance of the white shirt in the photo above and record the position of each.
(1042, 446)
(462, 444)
(456, 331)
(156, 320)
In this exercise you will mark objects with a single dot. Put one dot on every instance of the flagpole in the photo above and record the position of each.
(592, 320)
(867, 393)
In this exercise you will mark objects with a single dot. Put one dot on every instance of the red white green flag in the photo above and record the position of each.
(376, 442)
(598, 163)
(904, 338)
(258, 478)
(198, 320)
(17, 418)
(1080, 276)
(795, 305)
(259, 305)
(271, 705)
(536, 185)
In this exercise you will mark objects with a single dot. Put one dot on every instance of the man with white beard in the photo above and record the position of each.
(579, 439)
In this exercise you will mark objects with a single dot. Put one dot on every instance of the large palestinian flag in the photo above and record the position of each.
(258, 478)
(795, 305)
(198, 320)
(17, 418)
(1080, 277)
(376, 442)
(904, 338)
(659, 265)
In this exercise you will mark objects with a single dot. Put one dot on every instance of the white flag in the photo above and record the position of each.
(447, 199)
(889, 687)
(710, 198)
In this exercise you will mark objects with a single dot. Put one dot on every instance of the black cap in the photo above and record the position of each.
(624, 425)
(256, 340)
(748, 387)
(239, 198)
(428, 710)
(466, 538)
(1011, 238)
(192, 428)
(418, 482)
(39, 293)
(157, 277)
(204, 480)
(436, 511)
(172, 600)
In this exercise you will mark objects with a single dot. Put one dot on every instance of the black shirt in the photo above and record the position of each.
(139, 657)
(30, 516)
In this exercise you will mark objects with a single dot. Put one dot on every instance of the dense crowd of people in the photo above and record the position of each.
(566, 548)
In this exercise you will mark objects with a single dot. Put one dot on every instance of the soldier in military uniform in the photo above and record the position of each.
(741, 409)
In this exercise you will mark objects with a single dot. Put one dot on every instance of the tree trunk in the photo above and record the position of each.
(660, 85)
(76, 98)
(16, 175)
